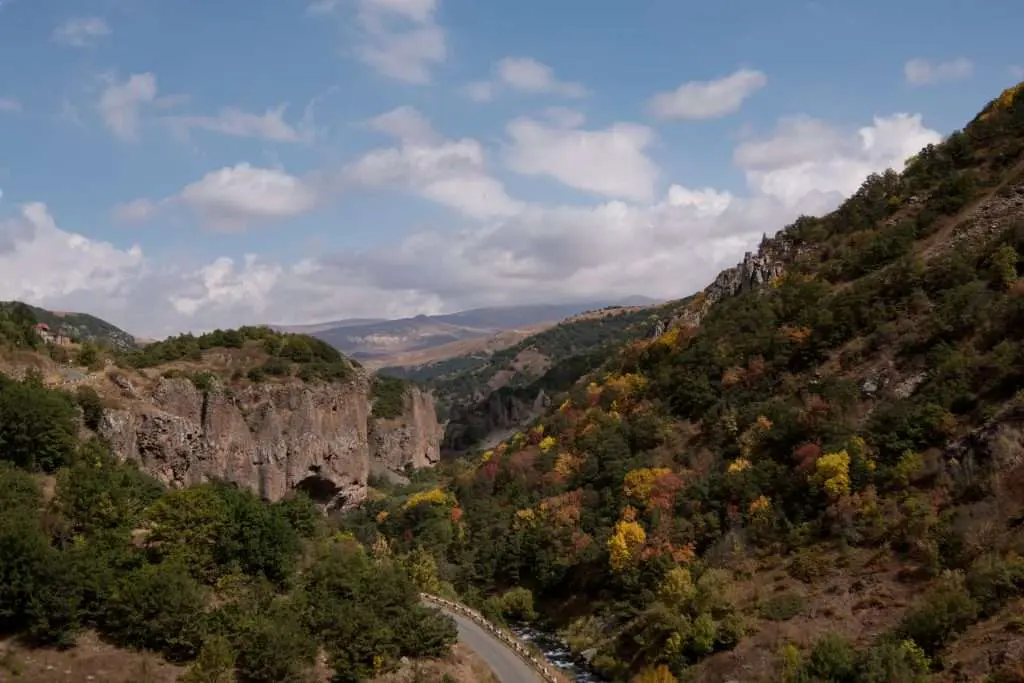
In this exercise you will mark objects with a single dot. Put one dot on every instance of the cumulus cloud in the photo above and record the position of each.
(924, 72)
(401, 39)
(449, 172)
(120, 103)
(233, 198)
(708, 99)
(81, 31)
(529, 75)
(9, 104)
(42, 262)
(523, 74)
(610, 162)
(504, 251)
(806, 157)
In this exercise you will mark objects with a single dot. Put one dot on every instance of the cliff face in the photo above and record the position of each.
(411, 440)
(501, 411)
(270, 438)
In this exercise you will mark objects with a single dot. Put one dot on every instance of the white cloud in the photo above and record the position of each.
(807, 157)
(449, 172)
(219, 285)
(503, 252)
(405, 123)
(524, 74)
(135, 211)
(234, 196)
(401, 40)
(41, 262)
(610, 162)
(270, 125)
(529, 75)
(9, 104)
(925, 72)
(120, 103)
(81, 31)
(708, 99)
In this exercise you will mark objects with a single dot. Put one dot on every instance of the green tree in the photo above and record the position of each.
(92, 406)
(37, 425)
(158, 607)
(97, 493)
(215, 663)
(274, 646)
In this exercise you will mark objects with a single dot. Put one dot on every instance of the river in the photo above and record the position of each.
(558, 653)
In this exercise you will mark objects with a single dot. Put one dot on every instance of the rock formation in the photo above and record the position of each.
(272, 437)
(756, 270)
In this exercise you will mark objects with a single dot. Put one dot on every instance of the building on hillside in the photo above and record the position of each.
(51, 337)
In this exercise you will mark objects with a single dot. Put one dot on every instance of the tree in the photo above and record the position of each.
(37, 425)
(215, 663)
(274, 646)
(92, 406)
(158, 607)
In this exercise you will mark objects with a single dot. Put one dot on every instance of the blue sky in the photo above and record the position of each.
(185, 165)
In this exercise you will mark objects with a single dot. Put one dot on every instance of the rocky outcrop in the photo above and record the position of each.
(755, 270)
(272, 437)
(413, 440)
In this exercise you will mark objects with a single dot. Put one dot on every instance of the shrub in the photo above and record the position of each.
(891, 661)
(388, 397)
(832, 658)
(944, 613)
(992, 580)
(92, 406)
(782, 607)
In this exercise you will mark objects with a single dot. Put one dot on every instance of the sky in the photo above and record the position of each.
(174, 165)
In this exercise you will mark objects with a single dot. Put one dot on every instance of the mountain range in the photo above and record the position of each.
(378, 342)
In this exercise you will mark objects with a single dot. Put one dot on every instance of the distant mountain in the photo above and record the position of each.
(380, 341)
(81, 327)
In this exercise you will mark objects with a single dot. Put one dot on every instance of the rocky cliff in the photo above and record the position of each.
(270, 437)
(755, 270)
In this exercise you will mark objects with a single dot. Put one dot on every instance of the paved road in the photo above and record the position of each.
(505, 663)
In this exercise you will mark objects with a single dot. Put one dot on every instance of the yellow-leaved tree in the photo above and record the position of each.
(832, 472)
(626, 541)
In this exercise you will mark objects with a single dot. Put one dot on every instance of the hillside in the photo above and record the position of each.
(499, 388)
(382, 342)
(79, 327)
(161, 515)
(813, 475)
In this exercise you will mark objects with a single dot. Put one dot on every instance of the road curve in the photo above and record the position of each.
(507, 666)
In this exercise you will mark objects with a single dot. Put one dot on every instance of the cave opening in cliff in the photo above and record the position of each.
(319, 489)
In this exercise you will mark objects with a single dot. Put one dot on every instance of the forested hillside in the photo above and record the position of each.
(219, 582)
(818, 479)
(79, 327)
(467, 387)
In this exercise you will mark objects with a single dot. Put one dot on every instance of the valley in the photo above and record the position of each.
(810, 470)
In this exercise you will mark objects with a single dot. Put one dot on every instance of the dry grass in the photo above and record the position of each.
(461, 666)
(90, 660)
